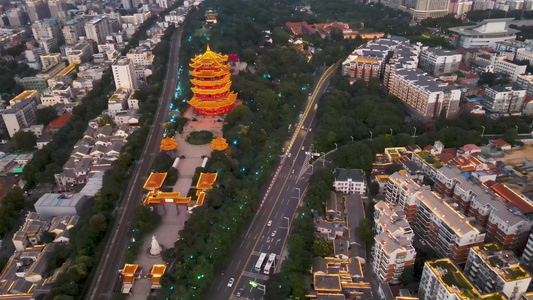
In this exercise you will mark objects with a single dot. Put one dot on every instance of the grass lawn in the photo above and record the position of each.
(200, 137)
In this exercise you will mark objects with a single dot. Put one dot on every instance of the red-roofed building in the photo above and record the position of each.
(300, 28)
(501, 145)
(56, 124)
(464, 67)
(470, 148)
(517, 199)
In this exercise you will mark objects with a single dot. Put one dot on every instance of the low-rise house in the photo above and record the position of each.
(350, 181)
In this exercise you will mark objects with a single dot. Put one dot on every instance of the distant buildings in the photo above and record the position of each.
(350, 181)
(21, 112)
(420, 9)
(98, 29)
(48, 29)
(484, 34)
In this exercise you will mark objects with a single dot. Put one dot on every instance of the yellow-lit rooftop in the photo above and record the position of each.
(158, 270)
(206, 180)
(67, 69)
(155, 181)
(365, 60)
(129, 269)
(24, 95)
(168, 144)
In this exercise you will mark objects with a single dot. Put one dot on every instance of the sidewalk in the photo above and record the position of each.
(172, 222)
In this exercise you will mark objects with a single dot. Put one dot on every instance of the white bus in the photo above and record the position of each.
(270, 262)
(260, 262)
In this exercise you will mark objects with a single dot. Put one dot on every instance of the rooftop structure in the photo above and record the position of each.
(442, 279)
(206, 181)
(350, 181)
(155, 181)
(492, 270)
(219, 144)
(156, 272)
(212, 95)
(484, 34)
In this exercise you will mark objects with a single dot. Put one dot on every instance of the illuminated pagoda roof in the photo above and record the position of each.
(155, 181)
(206, 180)
(168, 144)
(200, 197)
(208, 58)
(219, 143)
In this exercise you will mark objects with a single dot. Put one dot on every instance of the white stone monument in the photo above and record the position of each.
(155, 250)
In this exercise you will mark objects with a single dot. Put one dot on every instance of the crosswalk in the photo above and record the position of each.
(255, 275)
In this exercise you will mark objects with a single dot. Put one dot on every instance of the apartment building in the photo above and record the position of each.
(369, 60)
(503, 99)
(124, 74)
(425, 96)
(525, 82)
(443, 280)
(503, 218)
(428, 162)
(509, 68)
(57, 9)
(350, 181)
(98, 29)
(439, 62)
(16, 17)
(72, 30)
(118, 102)
(79, 53)
(525, 55)
(140, 56)
(484, 34)
(447, 231)
(21, 113)
(420, 9)
(404, 57)
(393, 251)
(48, 61)
(30, 233)
(37, 10)
(492, 270)
(401, 189)
(47, 29)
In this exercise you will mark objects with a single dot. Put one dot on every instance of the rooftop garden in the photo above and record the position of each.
(516, 273)
(430, 159)
(495, 261)
(490, 249)
(452, 277)
(494, 296)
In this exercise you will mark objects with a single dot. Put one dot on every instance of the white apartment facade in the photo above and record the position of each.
(439, 62)
(510, 68)
(503, 99)
(98, 29)
(350, 181)
(124, 74)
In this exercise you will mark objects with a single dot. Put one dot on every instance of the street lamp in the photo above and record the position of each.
(482, 132)
(390, 131)
(298, 192)
(352, 137)
(370, 135)
(414, 134)
(287, 221)
(516, 128)
(335, 146)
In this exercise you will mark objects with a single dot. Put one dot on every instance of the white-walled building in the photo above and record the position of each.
(503, 99)
(350, 181)
(439, 62)
(484, 34)
(510, 68)
(98, 29)
(118, 102)
(124, 74)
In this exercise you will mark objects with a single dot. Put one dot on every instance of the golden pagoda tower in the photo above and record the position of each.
(168, 144)
(219, 144)
(212, 95)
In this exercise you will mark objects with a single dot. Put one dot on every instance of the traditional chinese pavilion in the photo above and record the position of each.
(219, 144)
(168, 144)
(212, 95)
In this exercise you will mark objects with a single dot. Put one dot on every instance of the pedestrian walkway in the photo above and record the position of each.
(174, 220)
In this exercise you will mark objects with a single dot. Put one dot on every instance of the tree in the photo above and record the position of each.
(46, 115)
(105, 120)
(322, 247)
(408, 276)
(24, 141)
(510, 135)
(365, 231)
(162, 163)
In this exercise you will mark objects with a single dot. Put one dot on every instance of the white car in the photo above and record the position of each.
(231, 281)
(269, 223)
(273, 234)
(289, 155)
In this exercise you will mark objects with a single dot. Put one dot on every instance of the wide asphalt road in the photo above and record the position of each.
(106, 278)
(289, 183)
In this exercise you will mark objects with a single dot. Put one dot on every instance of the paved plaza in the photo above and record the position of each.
(167, 233)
